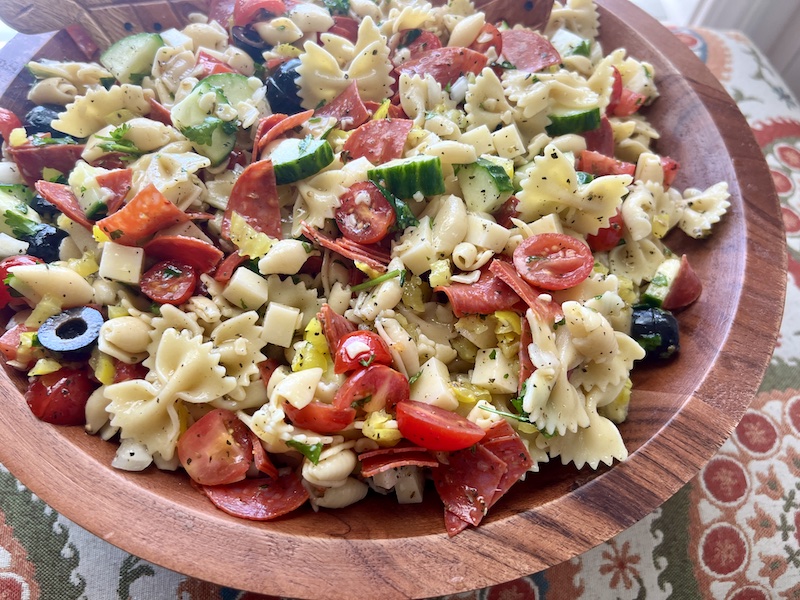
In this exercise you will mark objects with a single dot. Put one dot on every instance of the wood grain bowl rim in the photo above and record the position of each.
(181, 531)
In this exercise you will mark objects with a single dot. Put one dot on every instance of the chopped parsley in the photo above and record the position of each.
(115, 141)
(311, 451)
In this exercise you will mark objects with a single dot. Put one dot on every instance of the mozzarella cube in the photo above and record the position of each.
(246, 289)
(508, 142)
(415, 247)
(495, 372)
(280, 323)
(547, 224)
(433, 385)
(485, 233)
(121, 263)
(480, 138)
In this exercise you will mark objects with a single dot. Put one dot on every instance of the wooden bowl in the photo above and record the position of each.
(681, 412)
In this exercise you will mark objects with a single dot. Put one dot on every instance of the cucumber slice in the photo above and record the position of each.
(573, 121)
(131, 58)
(485, 185)
(569, 44)
(405, 177)
(18, 190)
(295, 159)
(662, 282)
(211, 136)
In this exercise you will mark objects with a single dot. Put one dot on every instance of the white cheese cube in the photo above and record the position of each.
(280, 323)
(547, 224)
(480, 138)
(478, 330)
(246, 289)
(508, 142)
(485, 233)
(409, 485)
(495, 372)
(433, 385)
(415, 247)
(121, 263)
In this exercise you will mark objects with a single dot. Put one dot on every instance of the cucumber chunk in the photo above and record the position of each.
(485, 185)
(662, 282)
(131, 58)
(573, 121)
(18, 190)
(405, 177)
(295, 159)
(570, 44)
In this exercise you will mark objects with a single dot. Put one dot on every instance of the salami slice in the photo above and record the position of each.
(347, 108)
(260, 499)
(60, 195)
(529, 51)
(453, 523)
(32, 160)
(149, 211)
(119, 181)
(229, 264)
(485, 296)
(601, 139)
(379, 141)
(274, 126)
(201, 255)
(515, 455)
(373, 258)
(261, 458)
(445, 65)
(255, 197)
(467, 484)
(383, 459)
(544, 310)
(334, 326)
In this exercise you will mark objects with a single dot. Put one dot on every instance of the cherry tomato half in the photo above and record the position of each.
(607, 238)
(60, 397)
(364, 215)
(360, 349)
(216, 449)
(169, 282)
(436, 428)
(374, 388)
(5, 265)
(553, 261)
(320, 417)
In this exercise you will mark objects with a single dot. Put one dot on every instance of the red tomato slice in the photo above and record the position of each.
(686, 288)
(360, 349)
(255, 197)
(169, 282)
(261, 458)
(9, 341)
(553, 261)
(599, 164)
(364, 214)
(416, 41)
(320, 417)
(259, 499)
(347, 108)
(629, 103)
(216, 449)
(670, 167)
(119, 181)
(5, 265)
(125, 372)
(373, 388)
(245, 11)
(199, 254)
(607, 238)
(206, 65)
(488, 37)
(528, 51)
(601, 139)
(32, 160)
(616, 92)
(60, 397)
(346, 27)
(8, 123)
(436, 428)
(60, 195)
(147, 212)
(445, 65)
(379, 141)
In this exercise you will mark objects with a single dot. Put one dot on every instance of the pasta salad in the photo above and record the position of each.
(303, 250)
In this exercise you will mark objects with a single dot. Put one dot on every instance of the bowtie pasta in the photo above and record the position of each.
(325, 247)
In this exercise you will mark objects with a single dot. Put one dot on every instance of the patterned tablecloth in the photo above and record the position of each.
(733, 533)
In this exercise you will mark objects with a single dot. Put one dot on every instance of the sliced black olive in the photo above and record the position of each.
(247, 39)
(40, 118)
(45, 242)
(282, 89)
(72, 333)
(655, 330)
(43, 206)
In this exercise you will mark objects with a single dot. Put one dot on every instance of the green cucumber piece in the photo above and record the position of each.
(18, 190)
(573, 121)
(485, 185)
(295, 159)
(211, 136)
(584, 177)
(662, 281)
(405, 177)
(131, 59)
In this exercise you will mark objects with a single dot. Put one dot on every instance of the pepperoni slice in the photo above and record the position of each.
(670, 167)
(347, 108)
(159, 112)
(485, 296)
(416, 41)
(453, 523)
(616, 92)
(445, 65)
(378, 461)
(226, 268)
(32, 160)
(119, 181)
(395, 111)
(346, 27)
(198, 253)
(379, 141)
(260, 499)
(255, 197)
(546, 311)
(526, 367)
(147, 212)
(528, 51)
(506, 212)
(60, 195)
(372, 257)
(510, 450)
(266, 368)
(334, 325)
(261, 458)
(467, 484)
(274, 126)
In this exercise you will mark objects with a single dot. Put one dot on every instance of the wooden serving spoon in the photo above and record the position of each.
(105, 20)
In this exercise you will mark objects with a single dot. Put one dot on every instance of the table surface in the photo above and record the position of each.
(732, 533)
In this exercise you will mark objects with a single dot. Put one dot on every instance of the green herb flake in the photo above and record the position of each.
(370, 283)
(311, 451)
